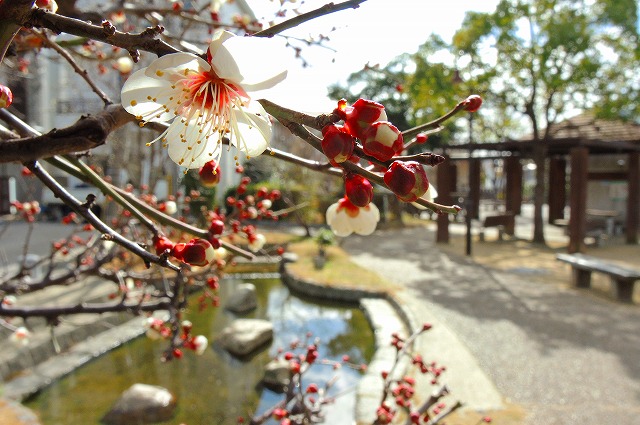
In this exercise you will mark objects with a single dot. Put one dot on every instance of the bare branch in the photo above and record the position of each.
(146, 40)
(305, 17)
(80, 71)
(87, 133)
(85, 212)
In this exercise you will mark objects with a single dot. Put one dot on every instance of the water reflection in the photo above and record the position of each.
(216, 388)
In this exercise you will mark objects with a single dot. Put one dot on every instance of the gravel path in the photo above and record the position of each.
(563, 355)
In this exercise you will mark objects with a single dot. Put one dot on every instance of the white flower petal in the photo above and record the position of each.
(339, 221)
(253, 131)
(431, 193)
(219, 37)
(365, 223)
(135, 93)
(235, 60)
(175, 62)
(179, 151)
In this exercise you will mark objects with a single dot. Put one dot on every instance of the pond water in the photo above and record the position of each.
(216, 388)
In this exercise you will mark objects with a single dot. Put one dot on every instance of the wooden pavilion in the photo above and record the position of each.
(575, 149)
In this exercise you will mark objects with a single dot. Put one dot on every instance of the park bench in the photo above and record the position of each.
(582, 265)
(505, 223)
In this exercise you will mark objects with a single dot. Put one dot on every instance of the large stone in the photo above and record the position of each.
(142, 404)
(243, 299)
(244, 336)
(277, 374)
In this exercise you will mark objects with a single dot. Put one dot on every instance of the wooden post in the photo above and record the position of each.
(473, 203)
(513, 169)
(633, 198)
(557, 188)
(445, 176)
(578, 198)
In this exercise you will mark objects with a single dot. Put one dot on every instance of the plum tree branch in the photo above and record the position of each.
(87, 133)
(146, 40)
(85, 211)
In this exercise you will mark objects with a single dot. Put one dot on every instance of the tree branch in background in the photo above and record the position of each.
(305, 17)
(80, 71)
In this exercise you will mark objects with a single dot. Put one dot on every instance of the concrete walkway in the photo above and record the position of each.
(565, 357)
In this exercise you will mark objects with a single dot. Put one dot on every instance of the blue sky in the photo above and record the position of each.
(376, 32)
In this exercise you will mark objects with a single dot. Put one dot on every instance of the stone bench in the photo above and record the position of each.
(505, 223)
(582, 265)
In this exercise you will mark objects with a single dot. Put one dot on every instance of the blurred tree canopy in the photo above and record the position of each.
(534, 62)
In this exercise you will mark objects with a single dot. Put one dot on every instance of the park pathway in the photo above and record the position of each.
(563, 355)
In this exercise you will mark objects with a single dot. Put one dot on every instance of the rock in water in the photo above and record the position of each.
(277, 375)
(142, 404)
(243, 299)
(246, 335)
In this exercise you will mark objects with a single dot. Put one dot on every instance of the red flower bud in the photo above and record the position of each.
(275, 195)
(383, 141)
(358, 189)
(336, 144)
(312, 389)
(216, 227)
(407, 180)
(421, 138)
(472, 103)
(161, 244)
(197, 252)
(361, 115)
(210, 174)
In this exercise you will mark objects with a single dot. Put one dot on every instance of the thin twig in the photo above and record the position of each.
(79, 70)
(100, 226)
(305, 17)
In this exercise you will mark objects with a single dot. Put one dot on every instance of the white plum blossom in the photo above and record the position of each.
(207, 100)
(20, 336)
(256, 242)
(220, 253)
(9, 300)
(124, 64)
(345, 218)
(169, 207)
(200, 343)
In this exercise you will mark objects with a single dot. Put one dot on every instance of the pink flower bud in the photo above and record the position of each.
(358, 189)
(383, 141)
(6, 97)
(407, 180)
(210, 174)
(472, 103)
(361, 115)
(197, 252)
(336, 144)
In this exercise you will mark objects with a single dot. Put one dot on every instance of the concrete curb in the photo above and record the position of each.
(47, 372)
(388, 314)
